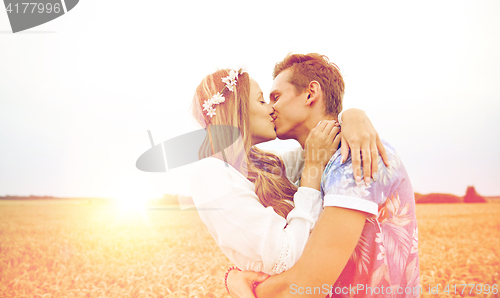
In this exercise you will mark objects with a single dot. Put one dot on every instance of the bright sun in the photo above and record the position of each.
(132, 199)
(132, 210)
(130, 202)
(131, 205)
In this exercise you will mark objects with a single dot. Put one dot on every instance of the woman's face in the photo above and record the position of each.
(261, 123)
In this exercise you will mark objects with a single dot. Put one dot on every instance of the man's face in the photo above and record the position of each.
(289, 106)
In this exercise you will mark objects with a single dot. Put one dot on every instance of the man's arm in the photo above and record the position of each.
(325, 256)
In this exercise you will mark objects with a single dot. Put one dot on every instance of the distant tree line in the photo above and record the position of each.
(471, 196)
(32, 197)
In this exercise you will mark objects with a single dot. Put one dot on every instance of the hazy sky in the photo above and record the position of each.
(78, 94)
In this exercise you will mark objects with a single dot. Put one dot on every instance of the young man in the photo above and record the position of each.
(365, 242)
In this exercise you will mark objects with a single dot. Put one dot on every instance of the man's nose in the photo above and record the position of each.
(273, 113)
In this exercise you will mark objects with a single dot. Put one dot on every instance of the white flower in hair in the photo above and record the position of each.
(211, 112)
(207, 105)
(233, 74)
(229, 83)
(231, 79)
(218, 98)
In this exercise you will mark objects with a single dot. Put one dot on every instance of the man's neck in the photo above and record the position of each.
(308, 125)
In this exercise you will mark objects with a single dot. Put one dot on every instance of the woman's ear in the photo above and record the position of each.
(314, 91)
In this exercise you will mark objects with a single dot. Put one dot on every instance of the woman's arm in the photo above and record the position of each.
(359, 135)
(252, 236)
(317, 155)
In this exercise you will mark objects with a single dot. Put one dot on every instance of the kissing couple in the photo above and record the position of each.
(333, 218)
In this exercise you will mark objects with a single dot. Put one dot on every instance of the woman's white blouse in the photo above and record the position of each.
(252, 236)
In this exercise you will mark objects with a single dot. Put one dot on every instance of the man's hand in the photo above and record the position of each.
(241, 284)
(360, 136)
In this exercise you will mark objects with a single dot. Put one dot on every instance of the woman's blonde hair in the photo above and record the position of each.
(264, 169)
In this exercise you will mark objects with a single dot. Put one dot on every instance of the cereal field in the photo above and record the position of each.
(68, 250)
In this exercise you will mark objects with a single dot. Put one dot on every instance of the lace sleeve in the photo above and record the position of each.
(280, 265)
(252, 236)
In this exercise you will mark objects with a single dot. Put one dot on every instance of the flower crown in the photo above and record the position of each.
(230, 82)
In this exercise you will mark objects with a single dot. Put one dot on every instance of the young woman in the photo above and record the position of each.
(257, 216)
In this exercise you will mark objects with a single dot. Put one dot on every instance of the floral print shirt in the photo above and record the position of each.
(385, 260)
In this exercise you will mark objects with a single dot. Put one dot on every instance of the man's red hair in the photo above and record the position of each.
(315, 67)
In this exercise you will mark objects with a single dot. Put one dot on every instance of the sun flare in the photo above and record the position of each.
(129, 205)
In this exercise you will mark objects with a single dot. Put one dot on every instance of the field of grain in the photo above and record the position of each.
(85, 250)
(459, 244)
